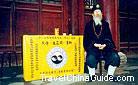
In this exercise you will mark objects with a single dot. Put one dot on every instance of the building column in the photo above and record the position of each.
(111, 14)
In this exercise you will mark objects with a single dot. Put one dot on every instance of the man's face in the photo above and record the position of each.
(97, 17)
(97, 13)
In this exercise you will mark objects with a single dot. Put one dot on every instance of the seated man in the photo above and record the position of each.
(98, 43)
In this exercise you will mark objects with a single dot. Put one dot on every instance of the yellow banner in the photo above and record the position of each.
(52, 56)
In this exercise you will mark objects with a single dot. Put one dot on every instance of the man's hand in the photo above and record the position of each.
(97, 45)
(100, 46)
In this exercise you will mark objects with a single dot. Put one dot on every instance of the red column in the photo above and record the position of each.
(111, 13)
(77, 16)
(81, 16)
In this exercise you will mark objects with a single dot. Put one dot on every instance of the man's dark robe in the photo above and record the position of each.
(91, 37)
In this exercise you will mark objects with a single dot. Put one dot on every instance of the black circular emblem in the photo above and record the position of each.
(57, 59)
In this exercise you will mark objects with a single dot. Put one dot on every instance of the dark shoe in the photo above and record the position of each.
(86, 69)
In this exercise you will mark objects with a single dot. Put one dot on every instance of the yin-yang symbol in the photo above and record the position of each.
(57, 58)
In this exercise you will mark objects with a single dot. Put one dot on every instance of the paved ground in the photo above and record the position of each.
(13, 76)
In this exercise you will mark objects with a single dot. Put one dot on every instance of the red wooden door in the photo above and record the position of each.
(25, 17)
(38, 17)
